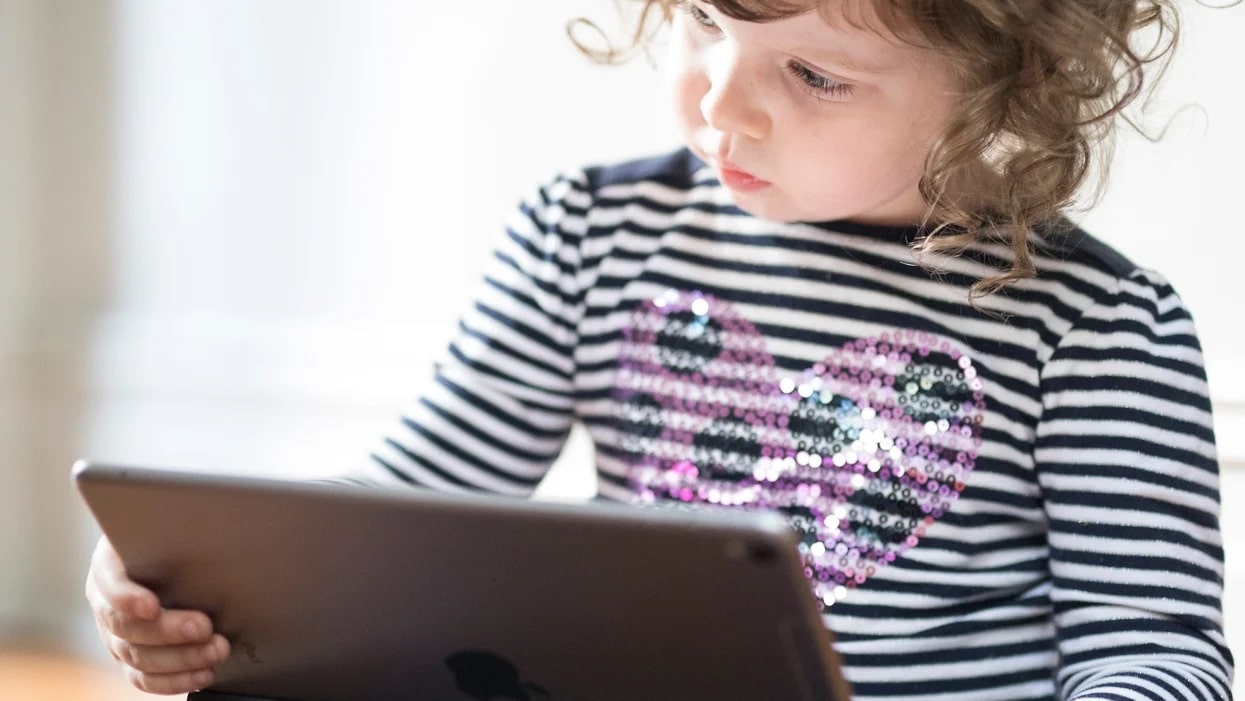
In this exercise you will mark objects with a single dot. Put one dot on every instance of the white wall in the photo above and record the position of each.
(55, 217)
(309, 188)
(302, 194)
(16, 215)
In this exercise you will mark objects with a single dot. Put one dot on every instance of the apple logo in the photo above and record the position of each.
(487, 677)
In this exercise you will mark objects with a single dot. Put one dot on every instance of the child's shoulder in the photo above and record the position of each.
(676, 169)
(1070, 244)
(1073, 244)
(1073, 258)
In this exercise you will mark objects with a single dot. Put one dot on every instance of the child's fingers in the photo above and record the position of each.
(171, 627)
(132, 612)
(170, 684)
(108, 581)
(163, 651)
(170, 659)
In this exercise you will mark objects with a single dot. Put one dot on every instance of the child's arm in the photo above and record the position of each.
(501, 402)
(1127, 465)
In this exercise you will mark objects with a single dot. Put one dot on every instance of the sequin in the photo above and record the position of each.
(862, 450)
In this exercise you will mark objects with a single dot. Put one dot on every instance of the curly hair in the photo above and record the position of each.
(1043, 86)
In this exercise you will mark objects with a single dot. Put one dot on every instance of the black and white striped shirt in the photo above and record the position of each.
(1013, 502)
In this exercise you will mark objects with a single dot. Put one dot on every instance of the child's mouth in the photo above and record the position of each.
(740, 180)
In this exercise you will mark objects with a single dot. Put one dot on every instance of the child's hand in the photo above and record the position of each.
(162, 651)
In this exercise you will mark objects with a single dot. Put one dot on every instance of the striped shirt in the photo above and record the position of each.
(1017, 500)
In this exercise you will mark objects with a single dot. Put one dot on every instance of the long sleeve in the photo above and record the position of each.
(1127, 467)
(500, 403)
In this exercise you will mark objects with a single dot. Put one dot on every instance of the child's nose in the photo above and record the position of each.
(733, 103)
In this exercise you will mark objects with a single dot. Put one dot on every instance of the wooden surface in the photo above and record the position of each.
(28, 676)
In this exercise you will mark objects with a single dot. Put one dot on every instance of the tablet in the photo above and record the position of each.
(331, 592)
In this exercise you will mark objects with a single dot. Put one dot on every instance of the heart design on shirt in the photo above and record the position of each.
(862, 452)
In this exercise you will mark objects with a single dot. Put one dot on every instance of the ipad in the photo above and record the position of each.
(335, 593)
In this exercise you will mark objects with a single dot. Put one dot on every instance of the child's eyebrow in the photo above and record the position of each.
(829, 54)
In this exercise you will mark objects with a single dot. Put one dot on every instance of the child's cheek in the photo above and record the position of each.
(686, 87)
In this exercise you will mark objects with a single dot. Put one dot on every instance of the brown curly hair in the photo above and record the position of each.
(1044, 84)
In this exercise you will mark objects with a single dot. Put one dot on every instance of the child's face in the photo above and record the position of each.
(809, 120)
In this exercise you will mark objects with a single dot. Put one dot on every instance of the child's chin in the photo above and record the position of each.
(769, 211)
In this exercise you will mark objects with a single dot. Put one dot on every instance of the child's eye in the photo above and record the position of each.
(821, 86)
(699, 16)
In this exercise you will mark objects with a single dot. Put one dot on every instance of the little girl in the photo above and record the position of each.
(853, 299)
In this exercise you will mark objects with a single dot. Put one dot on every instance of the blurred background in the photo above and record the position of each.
(233, 235)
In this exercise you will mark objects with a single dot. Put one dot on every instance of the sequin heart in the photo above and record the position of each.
(863, 451)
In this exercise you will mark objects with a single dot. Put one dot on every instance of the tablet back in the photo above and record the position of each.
(332, 593)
